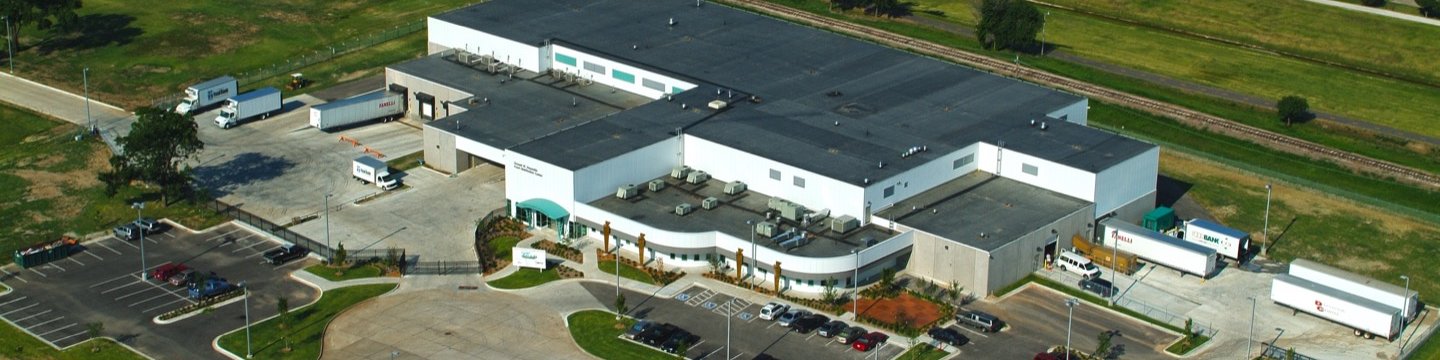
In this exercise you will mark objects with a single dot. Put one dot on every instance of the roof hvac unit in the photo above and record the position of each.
(766, 228)
(792, 211)
(697, 177)
(684, 209)
(734, 187)
(656, 185)
(776, 203)
(718, 104)
(709, 203)
(794, 242)
(844, 224)
(680, 172)
(628, 191)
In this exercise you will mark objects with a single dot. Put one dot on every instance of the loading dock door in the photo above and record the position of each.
(427, 105)
(404, 93)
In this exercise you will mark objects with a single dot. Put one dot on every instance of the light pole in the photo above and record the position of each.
(1070, 303)
(1264, 249)
(855, 286)
(1250, 343)
(85, 78)
(140, 206)
(1404, 312)
(1114, 268)
(750, 228)
(618, 315)
(729, 313)
(9, 44)
(327, 224)
(248, 353)
(1043, 21)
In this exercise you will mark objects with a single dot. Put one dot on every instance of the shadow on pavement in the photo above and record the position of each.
(223, 178)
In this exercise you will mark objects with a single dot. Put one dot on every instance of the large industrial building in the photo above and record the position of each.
(798, 147)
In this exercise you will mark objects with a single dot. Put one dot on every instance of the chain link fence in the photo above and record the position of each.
(283, 233)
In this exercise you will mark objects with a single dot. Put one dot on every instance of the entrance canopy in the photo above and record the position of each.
(547, 207)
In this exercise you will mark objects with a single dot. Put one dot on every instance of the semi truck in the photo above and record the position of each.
(370, 170)
(1229, 242)
(1106, 256)
(1364, 287)
(1160, 249)
(382, 105)
(210, 92)
(259, 102)
(1366, 317)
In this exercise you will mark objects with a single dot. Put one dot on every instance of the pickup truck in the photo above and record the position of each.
(285, 254)
(208, 288)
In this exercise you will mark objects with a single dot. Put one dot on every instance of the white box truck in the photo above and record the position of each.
(1366, 317)
(259, 102)
(377, 105)
(207, 93)
(1368, 288)
(1232, 243)
(1160, 249)
(370, 170)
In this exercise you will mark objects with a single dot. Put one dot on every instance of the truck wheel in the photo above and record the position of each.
(1358, 333)
(1369, 336)
(1062, 268)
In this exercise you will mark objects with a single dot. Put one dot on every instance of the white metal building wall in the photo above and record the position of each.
(1049, 175)
(1129, 181)
(447, 35)
(527, 178)
(636, 86)
(729, 164)
(919, 179)
(636, 167)
(1076, 113)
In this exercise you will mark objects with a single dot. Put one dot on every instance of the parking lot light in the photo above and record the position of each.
(248, 352)
(1250, 344)
(749, 227)
(1070, 303)
(327, 224)
(139, 206)
(855, 284)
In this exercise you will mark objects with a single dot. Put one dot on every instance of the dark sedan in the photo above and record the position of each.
(809, 323)
(948, 336)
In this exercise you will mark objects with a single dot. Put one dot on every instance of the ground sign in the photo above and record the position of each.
(528, 257)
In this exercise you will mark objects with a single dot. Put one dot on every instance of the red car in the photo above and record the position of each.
(870, 341)
(164, 272)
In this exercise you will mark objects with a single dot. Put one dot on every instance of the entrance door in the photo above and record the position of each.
(427, 105)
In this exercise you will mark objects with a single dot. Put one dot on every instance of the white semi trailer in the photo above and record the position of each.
(258, 102)
(1366, 317)
(1364, 287)
(1160, 249)
(1232, 243)
(207, 93)
(376, 105)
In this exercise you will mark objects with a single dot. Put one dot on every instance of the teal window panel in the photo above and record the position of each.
(566, 59)
(622, 76)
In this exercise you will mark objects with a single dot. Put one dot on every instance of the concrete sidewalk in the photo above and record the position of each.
(326, 285)
(1381, 12)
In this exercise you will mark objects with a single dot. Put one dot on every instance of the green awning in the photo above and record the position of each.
(547, 207)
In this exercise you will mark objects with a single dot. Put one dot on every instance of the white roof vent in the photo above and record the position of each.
(718, 104)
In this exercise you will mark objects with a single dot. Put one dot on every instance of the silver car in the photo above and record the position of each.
(150, 226)
(791, 316)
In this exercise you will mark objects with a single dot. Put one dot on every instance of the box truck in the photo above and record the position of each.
(1160, 248)
(368, 169)
(259, 102)
(1364, 287)
(1366, 317)
(382, 105)
(1232, 243)
(207, 93)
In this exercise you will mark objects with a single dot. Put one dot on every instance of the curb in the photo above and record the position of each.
(199, 311)
(215, 343)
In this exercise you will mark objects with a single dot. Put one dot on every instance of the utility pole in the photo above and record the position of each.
(140, 206)
(1405, 311)
(1264, 249)
(248, 352)
(1044, 20)
(9, 44)
(1070, 303)
(85, 77)
(1250, 343)
(749, 227)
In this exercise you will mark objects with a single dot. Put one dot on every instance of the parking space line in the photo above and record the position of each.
(92, 254)
(56, 266)
(38, 272)
(812, 336)
(167, 235)
(57, 341)
(262, 252)
(13, 275)
(127, 243)
(213, 238)
(121, 277)
(697, 344)
(133, 294)
(974, 332)
(47, 311)
(737, 356)
(260, 242)
(151, 239)
(11, 301)
(120, 287)
(23, 308)
(53, 331)
(164, 305)
(72, 258)
(102, 244)
(167, 293)
(712, 352)
(43, 323)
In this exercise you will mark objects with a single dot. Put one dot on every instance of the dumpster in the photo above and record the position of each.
(42, 253)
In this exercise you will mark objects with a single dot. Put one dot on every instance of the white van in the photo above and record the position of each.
(1076, 263)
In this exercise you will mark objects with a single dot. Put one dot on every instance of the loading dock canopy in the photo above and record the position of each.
(547, 207)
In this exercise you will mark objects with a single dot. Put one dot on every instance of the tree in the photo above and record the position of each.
(56, 15)
(1104, 348)
(619, 307)
(1008, 24)
(339, 259)
(1429, 8)
(1290, 354)
(93, 330)
(887, 281)
(716, 265)
(283, 308)
(158, 143)
(1292, 108)
(830, 294)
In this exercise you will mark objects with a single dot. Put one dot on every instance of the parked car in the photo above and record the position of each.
(128, 232)
(148, 225)
(1098, 286)
(870, 341)
(791, 316)
(164, 272)
(658, 334)
(639, 327)
(1046, 356)
(832, 328)
(948, 336)
(773, 310)
(1076, 263)
(849, 335)
(809, 323)
(285, 254)
(681, 337)
(183, 278)
(979, 320)
(764, 356)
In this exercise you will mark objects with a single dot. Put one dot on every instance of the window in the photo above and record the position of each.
(889, 191)
(1030, 169)
(962, 161)
(595, 68)
(775, 174)
(652, 84)
(622, 76)
(685, 257)
(810, 282)
(799, 182)
(565, 59)
(672, 256)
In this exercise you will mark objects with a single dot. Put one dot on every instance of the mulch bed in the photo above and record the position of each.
(920, 312)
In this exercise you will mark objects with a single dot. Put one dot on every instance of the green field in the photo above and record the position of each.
(525, 278)
(48, 185)
(627, 271)
(596, 332)
(354, 272)
(139, 52)
(307, 328)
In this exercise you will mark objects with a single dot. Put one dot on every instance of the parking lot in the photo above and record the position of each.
(100, 283)
(1037, 319)
(702, 311)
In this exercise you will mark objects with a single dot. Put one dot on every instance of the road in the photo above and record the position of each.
(1381, 12)
(111, 121)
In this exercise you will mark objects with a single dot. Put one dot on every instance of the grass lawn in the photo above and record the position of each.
(307, 328)
(923, 352)
(48, 185)
(525, 278)
(139, 52)
(595, 331)
(406, 162)
(357, 272)
(502, 246)
(627, 271)
(355, 65)
(1182, 348)
(1428, 350)
(15, 344)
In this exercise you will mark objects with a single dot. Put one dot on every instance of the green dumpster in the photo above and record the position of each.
(43, 253)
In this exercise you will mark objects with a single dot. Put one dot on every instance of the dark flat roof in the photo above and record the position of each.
(657, 209)
(884, 100)
(1001, 208)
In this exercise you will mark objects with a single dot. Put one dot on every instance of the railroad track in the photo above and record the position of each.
(1194, 118)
